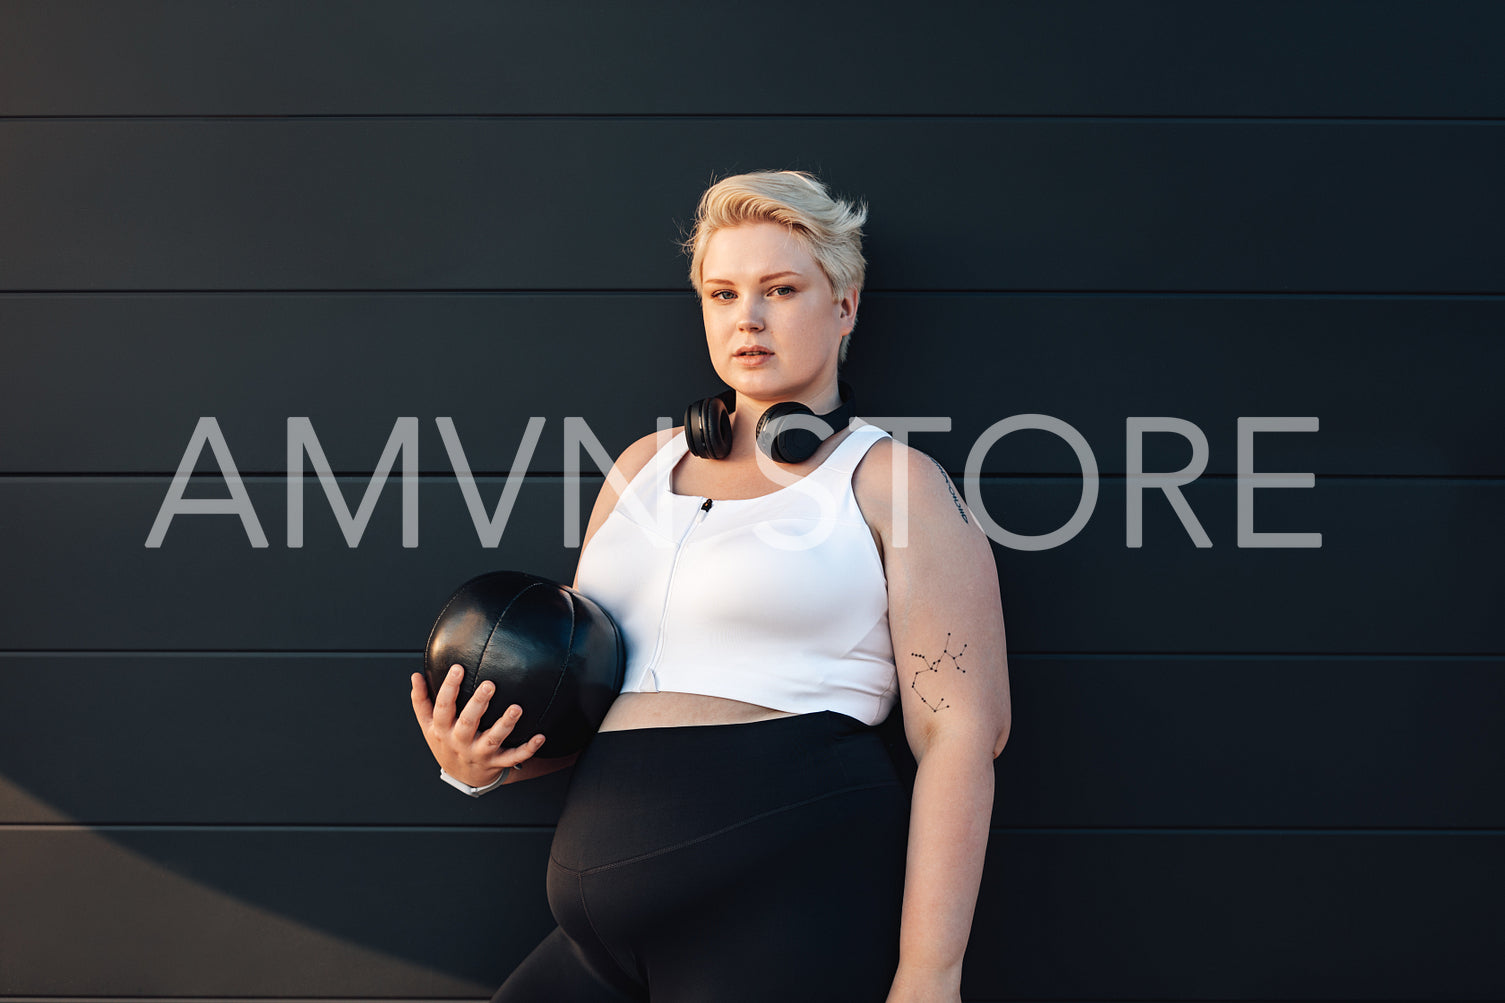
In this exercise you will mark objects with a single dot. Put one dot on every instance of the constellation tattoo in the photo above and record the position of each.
(933, 667)
(954, 500)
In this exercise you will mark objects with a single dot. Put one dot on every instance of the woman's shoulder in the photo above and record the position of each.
(894, 473)
(873, 477)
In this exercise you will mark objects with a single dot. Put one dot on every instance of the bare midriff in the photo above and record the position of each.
(673, 710)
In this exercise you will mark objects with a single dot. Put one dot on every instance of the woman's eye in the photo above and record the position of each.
(717, 294)
(780, 289)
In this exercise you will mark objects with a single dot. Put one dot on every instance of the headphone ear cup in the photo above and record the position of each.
(786, 445)
(708, 428)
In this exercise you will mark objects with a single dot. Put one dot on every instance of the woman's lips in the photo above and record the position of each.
(753, 357)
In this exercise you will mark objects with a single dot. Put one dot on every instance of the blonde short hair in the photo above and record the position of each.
(829, 229)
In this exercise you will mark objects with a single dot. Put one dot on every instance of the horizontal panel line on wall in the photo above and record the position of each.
(278, 827)
(482, 999)
(869, 290)
(279, 999)
(262, 827)
(781, 116)
(211, 476)
(1157, 656)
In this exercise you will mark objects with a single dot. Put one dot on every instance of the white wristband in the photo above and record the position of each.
(474, 792)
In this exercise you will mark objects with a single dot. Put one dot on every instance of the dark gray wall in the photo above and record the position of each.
(1234, 773)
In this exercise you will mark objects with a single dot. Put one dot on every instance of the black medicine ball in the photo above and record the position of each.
(547, 648)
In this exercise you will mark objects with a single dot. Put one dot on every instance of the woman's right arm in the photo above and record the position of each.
(477, 759)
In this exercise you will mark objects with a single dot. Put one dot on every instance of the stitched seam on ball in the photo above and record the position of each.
(435, 628)
(481, 658)
(568, 652)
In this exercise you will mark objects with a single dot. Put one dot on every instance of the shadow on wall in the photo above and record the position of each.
(402, 887)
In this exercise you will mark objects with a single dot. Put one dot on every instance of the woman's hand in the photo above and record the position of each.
(468, 757)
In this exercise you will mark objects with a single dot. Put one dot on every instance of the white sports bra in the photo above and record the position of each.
(778, 600)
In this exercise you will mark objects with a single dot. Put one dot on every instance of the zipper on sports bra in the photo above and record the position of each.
(663, 619)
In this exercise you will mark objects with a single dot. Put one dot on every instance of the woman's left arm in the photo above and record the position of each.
(946, 620)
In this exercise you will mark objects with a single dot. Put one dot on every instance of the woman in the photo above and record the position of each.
(736, 830)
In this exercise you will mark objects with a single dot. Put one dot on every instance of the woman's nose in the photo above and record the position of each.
(751, 318)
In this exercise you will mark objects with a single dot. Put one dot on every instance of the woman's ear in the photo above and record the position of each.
(847, 307)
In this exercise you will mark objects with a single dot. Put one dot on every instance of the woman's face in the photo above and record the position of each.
(771, 325)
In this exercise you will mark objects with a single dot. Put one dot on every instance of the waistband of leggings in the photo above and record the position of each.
(816, 724)
(774, 759)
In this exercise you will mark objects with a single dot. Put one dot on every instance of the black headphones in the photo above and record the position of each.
(708, 426)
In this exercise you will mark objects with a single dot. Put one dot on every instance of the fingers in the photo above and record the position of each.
(444, 702)
(423, 707)
(475, 707)
(517, 756)
(523, 752)
(494, 736)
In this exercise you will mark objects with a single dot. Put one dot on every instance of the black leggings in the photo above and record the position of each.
(759, 861)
